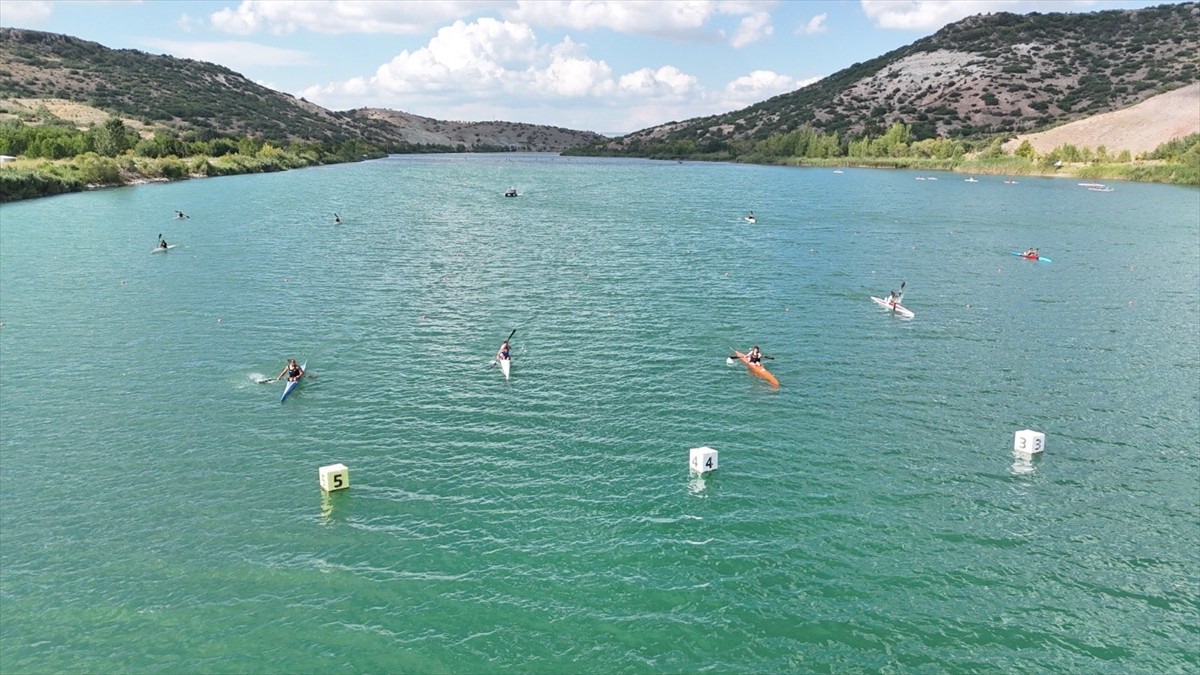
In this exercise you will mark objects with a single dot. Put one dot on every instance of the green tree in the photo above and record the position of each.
(111, 138)
(1025, 150)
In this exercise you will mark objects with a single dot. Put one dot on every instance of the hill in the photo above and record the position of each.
(982, 76)
(1140, 128)
(55, 72)
(426, 131)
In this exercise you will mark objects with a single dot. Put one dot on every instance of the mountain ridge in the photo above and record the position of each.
(187, 95)
(986, 75)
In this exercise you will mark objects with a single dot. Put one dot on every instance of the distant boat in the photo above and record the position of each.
(838, 171)
(1091, 185)
(1100, 189)
(932, 178)
(972, 179)
(1010, 182)
(920, 177)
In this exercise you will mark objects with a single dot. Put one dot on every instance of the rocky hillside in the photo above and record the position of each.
(1139, 128)
(987, 74)
(163, 91)
(418, 131)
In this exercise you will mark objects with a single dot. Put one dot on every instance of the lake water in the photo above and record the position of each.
(161, 509)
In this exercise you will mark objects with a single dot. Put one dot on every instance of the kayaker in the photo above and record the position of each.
(893, 298)
(292, 370)
(751, 216)
(162, 243)
(502, 355)
(180, 215)
(754, 356)
(1031, 253)
(337, 219)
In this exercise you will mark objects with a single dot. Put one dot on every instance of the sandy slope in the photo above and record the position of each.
(1139, 128)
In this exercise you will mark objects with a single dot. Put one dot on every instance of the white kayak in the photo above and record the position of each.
(160, 249)
(505, 366)
(895, 307)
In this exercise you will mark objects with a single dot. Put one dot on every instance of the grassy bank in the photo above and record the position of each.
(31, 178)
(1150, 171)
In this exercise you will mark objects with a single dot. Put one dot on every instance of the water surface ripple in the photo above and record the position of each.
(160, 508)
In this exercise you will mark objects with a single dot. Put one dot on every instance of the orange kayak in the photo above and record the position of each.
(757, 369)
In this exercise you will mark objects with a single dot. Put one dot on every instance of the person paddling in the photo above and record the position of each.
(181, 215)
(894, 297)
(1031, 253)
(162, 243)
(502, 355)
(292, 370)
(337, 220)
(754, 356)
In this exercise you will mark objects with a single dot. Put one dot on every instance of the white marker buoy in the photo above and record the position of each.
(1029, 442)
(335, 477)
(703, 459)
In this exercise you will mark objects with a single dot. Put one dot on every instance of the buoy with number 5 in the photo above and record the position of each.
(334, 477)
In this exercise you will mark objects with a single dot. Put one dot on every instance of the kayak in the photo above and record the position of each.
(1031, 257)
(757, 369)
(292, 384)
(159, 249)
(897, 308)
(751, 219)
(505, 366)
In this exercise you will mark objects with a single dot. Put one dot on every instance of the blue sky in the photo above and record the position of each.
(606, 66)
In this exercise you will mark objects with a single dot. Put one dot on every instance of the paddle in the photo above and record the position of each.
(494, 361)
(733, 357)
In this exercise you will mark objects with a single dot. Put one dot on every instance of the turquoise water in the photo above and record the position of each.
(161, 510)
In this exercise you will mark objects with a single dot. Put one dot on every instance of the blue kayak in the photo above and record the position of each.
(292, 384)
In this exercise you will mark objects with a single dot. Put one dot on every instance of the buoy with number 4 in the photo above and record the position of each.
(703, 459)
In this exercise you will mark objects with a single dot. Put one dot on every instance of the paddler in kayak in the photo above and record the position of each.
(292, 370)
(162, 243)
(754, 356)
(502, 355)
(894, 298)
(1031, 253)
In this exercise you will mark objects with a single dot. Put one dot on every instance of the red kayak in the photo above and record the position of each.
(757, 369)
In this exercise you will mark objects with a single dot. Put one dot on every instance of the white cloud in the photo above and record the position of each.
(25, 13)
(665, 83)
(675, 19)
(342, 16)
(497, 68)
(933, 14)
(758, 86)
(234, 54)
(477, 57)
(815, 26)
(186, 23)
(642, 17)
(751, 29)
